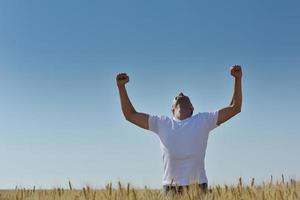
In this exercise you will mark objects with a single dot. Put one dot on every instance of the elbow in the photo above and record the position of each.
(238, 109)
(128, 116)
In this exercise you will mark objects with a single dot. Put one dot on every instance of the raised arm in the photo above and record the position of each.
(137, 118)
(235, 106)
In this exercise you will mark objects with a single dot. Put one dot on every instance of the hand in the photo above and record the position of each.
(122, 79)
(236, 71)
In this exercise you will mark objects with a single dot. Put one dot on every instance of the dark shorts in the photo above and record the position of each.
(179, 189)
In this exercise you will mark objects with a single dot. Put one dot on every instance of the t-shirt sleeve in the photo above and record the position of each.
(212, 119)
(209, 119)
(155, 123)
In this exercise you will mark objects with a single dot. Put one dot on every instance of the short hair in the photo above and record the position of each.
(182, 95)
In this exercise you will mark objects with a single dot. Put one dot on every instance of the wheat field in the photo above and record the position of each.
(265, 191)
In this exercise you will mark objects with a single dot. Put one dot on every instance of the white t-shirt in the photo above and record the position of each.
(183, 145)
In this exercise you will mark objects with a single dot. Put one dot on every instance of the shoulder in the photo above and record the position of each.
(159, 117)
(206, 115)
(208, 119)
(157, 122)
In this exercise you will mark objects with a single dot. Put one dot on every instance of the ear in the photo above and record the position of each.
(173, 109)
(192, 111)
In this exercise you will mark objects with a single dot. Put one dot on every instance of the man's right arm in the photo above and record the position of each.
(137, 118)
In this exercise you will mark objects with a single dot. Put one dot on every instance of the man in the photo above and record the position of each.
(183, 137)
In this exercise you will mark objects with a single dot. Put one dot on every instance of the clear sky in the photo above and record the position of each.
(60, 114)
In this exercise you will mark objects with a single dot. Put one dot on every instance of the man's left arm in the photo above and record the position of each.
(235, 106)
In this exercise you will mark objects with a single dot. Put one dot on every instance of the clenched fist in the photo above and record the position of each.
(236, 71)
(122, 79)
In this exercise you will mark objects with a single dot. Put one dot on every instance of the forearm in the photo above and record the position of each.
(236, 101)
(126, 105)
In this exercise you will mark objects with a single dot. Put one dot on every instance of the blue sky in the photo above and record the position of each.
(60, 116)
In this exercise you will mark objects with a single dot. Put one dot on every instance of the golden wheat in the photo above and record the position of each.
(266, 191)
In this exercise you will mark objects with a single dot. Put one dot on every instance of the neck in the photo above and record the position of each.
(181, 117)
